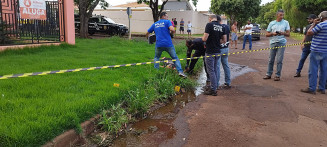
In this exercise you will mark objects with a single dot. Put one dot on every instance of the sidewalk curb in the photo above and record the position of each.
(71, 137)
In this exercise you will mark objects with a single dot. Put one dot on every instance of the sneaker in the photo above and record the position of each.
(297, 74)
(321, 91)
(277, 78)
(307, 90)
(182, 75)
(227, 86)
(267, 77)
(210, 92)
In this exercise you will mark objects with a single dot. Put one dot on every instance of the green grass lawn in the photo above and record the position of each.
(297, 36)
(34, 110)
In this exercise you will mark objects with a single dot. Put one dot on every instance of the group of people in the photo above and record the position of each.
(182, 26)
(214, 46)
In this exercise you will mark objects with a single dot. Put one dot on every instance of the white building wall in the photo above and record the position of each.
(142, 20)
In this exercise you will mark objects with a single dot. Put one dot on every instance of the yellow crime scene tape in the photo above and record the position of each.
(133, 64)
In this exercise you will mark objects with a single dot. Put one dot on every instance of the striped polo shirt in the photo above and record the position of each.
(319, 40)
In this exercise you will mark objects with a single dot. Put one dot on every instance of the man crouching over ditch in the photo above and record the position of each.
(162, 28)
(214, 31)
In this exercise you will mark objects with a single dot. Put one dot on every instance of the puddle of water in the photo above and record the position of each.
(235, 69)
(157, 127)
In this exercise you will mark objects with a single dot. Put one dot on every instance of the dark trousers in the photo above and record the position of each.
(305, 53)
(193, 62)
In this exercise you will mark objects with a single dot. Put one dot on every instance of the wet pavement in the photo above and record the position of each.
(159, 126)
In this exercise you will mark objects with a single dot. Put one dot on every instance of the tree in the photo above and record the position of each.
(311, 6)
(266, 14)
(86, 8)
(294, 16)
(156, 9)
(236, 10)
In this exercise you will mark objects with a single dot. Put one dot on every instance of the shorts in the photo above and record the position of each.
(181, 29)
(188, 31)
(234, 36)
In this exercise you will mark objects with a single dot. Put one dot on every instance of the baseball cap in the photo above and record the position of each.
(312, 16)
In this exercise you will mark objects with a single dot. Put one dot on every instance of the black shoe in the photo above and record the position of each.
(267, 77)
(277, 78)
(227, 86)
(211, 92)
(307, 90)
(297, 74)
(321, 91)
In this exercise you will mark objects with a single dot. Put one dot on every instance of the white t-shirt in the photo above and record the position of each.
(248, 32)
(189, 26)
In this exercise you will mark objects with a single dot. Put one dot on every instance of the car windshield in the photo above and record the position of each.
(109, 20)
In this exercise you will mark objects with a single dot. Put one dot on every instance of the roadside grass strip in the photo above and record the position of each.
(34, 110)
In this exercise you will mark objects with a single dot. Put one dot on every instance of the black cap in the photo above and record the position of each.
(312, 16)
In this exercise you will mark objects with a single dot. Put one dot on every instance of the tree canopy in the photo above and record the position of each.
(236, 10)
(311, 6)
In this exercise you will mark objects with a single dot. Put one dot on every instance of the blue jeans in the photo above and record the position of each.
(250, 41)
(317, 60)
(305, 54)
(280, 56)
(224, 63)
(211, 64)
(171, 51)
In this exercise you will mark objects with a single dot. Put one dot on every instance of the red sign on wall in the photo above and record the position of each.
(32, 9)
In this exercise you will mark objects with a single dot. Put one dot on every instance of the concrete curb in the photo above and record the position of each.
(71, 137)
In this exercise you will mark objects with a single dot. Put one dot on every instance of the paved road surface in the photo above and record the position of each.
(256, 112)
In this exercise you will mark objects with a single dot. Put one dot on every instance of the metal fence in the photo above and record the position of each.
(15, 30)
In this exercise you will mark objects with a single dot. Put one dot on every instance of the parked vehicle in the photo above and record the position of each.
(103, 24)
(256, 31)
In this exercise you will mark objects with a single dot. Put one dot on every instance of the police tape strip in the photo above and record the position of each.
(252, 33)
(133, 64)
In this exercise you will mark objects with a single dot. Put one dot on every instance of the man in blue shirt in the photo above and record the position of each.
(162, 29)
(318, 56)
(277, 31)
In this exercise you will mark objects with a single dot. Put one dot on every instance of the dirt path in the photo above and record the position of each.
(256, 112)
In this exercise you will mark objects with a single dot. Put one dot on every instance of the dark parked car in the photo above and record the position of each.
(256, 31)
(103, 24)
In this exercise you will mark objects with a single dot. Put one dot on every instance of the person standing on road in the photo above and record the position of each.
(277, 31)
(175, 24)
(318, 55)
(234, 34)
(162, 29)
(181, 26)
(306, 47)
(214, 32)
(224, 59)
(248, 35)
(189, 29)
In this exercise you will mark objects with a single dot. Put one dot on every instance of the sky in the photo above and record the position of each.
(203, 5)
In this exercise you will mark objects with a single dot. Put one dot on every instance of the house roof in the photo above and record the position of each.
(134, 5)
